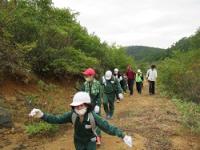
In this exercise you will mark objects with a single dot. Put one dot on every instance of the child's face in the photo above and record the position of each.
(89, 78)
(79, 107)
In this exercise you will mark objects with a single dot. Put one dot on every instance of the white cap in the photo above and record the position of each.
(116, 70)
(108, 75)
(81, 98)
(139, 71)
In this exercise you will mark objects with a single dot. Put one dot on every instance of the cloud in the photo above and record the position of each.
(140, 22)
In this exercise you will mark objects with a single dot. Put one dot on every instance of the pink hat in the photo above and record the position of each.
(89, 72)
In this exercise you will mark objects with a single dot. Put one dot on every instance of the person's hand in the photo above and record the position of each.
(36, 113)
(121, 96)
(96, 109)
(128, 140)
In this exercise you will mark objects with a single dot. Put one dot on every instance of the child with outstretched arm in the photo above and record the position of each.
(85, 122)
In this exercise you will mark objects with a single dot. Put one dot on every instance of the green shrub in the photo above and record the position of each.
(190, 114)
(180, 75)
(12, 62)
(41, 128)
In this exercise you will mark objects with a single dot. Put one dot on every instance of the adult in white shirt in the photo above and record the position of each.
(151, 77)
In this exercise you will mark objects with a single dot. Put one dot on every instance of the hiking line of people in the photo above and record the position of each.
(85, 114)
(138, 77)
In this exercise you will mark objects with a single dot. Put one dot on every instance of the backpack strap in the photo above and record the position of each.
(104, 80)
(93, 123)
(74, 117)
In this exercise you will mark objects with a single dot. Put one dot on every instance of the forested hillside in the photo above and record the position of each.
(187, 43)
(36, 37)
(145, 53)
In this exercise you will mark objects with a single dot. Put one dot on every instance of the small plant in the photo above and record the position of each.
(42, 84)
(46, 87)
(32, 99)
(51, 87)
(41, 128)
(49, 98)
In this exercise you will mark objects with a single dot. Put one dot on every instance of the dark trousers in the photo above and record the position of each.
(130, 85)
(124, 85)
(108, 103)
(91, 145)
(139, 87)
(151, 87)
(117, 96)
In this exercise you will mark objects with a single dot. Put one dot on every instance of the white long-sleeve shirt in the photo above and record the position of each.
(151, 74)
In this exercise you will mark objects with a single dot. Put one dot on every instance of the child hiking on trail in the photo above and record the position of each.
(110, 87)
(122, 79)
(151, 77)
(124, 82)
(117, 75)
(139, 81)
(119, 78)
(84, 120)
(92, 86)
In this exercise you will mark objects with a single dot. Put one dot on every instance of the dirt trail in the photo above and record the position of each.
(153, 121)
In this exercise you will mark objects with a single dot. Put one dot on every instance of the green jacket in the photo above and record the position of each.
(82, 132)
(94, 89)
(111, 86)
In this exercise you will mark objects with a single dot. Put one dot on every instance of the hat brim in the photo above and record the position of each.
(86, 74)
(76, 104)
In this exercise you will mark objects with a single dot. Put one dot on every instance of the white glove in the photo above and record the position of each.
(121, 96)
(128, 140)
(36, 113)
(96, 109)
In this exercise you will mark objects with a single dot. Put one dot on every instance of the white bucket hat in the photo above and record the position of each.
(139, 71)
(116, 70)
(81, 98)
(108, 75)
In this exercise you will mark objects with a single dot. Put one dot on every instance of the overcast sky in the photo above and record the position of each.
(157, 23)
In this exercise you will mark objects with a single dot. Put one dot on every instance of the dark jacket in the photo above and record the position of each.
(81, 132)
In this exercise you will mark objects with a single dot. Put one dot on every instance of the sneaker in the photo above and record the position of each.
(98, 142)
(118, 101)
